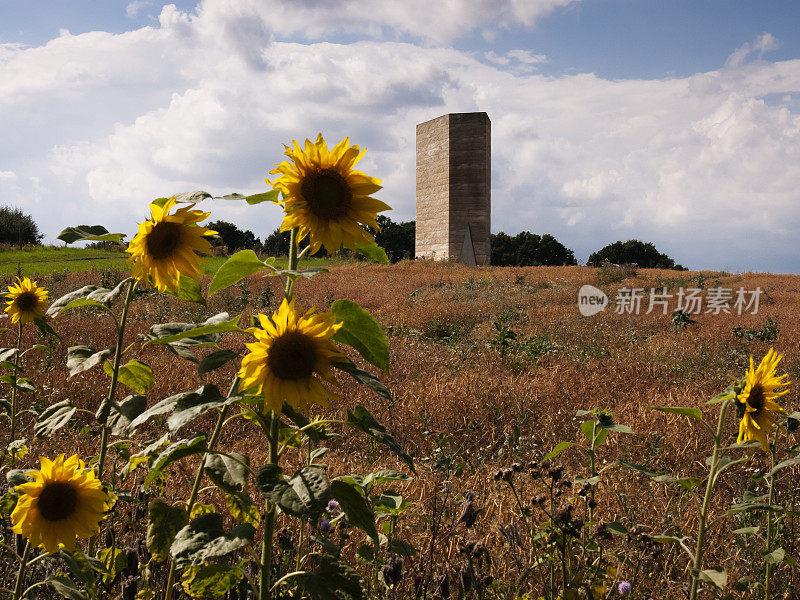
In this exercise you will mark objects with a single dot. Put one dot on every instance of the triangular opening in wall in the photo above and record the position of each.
(467, 250)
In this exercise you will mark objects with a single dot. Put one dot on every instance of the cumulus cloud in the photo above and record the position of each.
(706, 166)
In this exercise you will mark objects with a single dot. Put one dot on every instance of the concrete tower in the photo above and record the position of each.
(454, 154)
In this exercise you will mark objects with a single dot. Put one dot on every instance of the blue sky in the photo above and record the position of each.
(677, 121)
(611, 38)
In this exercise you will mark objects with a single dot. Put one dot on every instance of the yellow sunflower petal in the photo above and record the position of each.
(65, 502)
(167, 245)
(284, 364)
(325, 198)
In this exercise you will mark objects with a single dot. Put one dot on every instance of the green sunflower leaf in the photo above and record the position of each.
(215, 360)
(163, 524)
(361, 331)
(191, 197)
(189, 290)
(361, 419)
(21, 383)
(134, 374)
(75, 299)
(229, 473)
(355, 506)
(8, 353)
(789, 462)
(366, 378)
(242, 508)
(210, 581)
(123, 414)
(560, 447)
(305, 495)
(53, 418)
(242, 264)
(374, 252)
(95, 233)
(716, 577)
(204, 538)
(331, 579)
(185, 406)
(66, 588)
(270, 196)
(83, 358)
(115, 560)
(206, 332)
(180, 449)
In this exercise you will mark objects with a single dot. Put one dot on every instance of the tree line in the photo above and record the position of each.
(397, 239)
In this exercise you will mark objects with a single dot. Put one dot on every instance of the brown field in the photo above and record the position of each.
(462, 408)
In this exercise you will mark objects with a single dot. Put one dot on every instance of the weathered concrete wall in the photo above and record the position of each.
(454, 187)
(433, 189)
(470, 184)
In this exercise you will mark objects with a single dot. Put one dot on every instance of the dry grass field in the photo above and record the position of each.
(467, 403)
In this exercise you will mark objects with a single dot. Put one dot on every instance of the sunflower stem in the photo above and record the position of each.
(593, 467)
(701, 528)
(293, 261)
(771, 499)
(23, 563)
(265, 591)
(198, 478)
(105, 407)
(14, 393)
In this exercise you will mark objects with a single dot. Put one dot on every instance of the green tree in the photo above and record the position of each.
(18, 228)
(277, 243)
(233, 237)
(529, 249)
(397, 239)
(643, 254)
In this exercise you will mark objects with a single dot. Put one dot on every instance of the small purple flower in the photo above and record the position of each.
(332, 505)
(624, 588)
(324, 525)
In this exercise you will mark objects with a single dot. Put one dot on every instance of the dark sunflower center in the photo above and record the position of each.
(327, 194)
(57, 501)
(756, 397)
(292, 356)
(162, 241)
(26, 301)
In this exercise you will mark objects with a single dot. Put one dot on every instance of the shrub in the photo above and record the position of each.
(643, 254)
(18, 228)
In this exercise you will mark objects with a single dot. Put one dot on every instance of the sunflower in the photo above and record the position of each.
(166, 246)
(63, 501)
(324, 197)
(756, 402)
(289, 350)
(26, 301)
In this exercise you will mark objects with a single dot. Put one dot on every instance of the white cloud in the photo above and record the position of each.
(763, 43)
(133, 8)
(518, 58)
(439, 22)
(7, 176)
(703, 165)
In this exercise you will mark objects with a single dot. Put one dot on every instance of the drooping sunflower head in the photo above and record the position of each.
(64, 501)
(166, 245)
(756, 401)
(324, 197)
(289, 350)
(26, 301)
